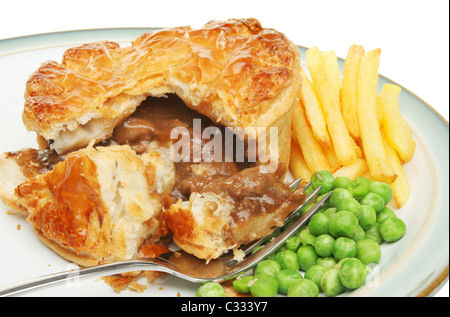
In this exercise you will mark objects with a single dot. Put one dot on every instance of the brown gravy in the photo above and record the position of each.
(34, 162)
(154, 120)
(251, 191)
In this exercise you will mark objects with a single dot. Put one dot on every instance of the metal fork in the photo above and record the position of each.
(177, 263)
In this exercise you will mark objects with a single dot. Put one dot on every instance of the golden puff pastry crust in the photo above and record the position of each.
(236, 72)
(99, 204)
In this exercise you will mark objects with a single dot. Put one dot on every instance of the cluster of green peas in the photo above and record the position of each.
(333, 250)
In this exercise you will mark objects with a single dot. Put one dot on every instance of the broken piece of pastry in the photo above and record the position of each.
(104, 180)
(17, 167)
(223, 213)
(99, 205)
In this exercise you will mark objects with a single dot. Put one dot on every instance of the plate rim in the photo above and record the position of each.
(53, 39)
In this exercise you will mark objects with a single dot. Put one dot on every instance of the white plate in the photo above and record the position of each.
(417, 265)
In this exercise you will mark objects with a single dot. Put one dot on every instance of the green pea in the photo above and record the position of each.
(352, 273)
(322, 178)
(264, 285)
(349, 204)
(330, 283)
(374, 234)
(268, 267)
(271, 256)
(285, 278)
(303, 288)
(359, 235)
(307, 256)
(210, 289)
(324, 245)
(241, 283)
(368, 251)
(343, 224)
(359, 187)
(325, 205)
(288, 260)
(314, 273)
(392, 229)
(385, 213)
(306, 209)
(319, 224)
(338, 194)
(368, 217)
(320, 196)
(257, 249)
(309, 190)
(341, 182)
(306, 238)
(328, 262)
(344, 248)
(382, 189)
(373, 200)
(293, 242)
(280, 248)
(330, 212)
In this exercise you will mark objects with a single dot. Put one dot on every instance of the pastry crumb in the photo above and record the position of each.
(137, 287)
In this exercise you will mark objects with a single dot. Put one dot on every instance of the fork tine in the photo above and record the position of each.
(251, 246)
(307, 201)
(295, 183)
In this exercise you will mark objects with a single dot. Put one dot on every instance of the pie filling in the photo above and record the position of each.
(231, 174)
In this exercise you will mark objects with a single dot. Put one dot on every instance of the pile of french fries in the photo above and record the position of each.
(343, 125)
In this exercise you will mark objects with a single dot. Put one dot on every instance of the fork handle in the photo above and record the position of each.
(99, 270)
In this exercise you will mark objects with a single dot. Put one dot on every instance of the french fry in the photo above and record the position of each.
(340, 137)
(356, 168)
(379, 110)
(368, 175)
(311, 149)
(332, 159)
(396, 128)
(332, 68)
(358, 151)
(400, 186)
(294, 137)
(349, 86)
(298, 164)
(371, 138)
(314, 112)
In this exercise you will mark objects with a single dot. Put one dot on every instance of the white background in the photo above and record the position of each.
(413, 35)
